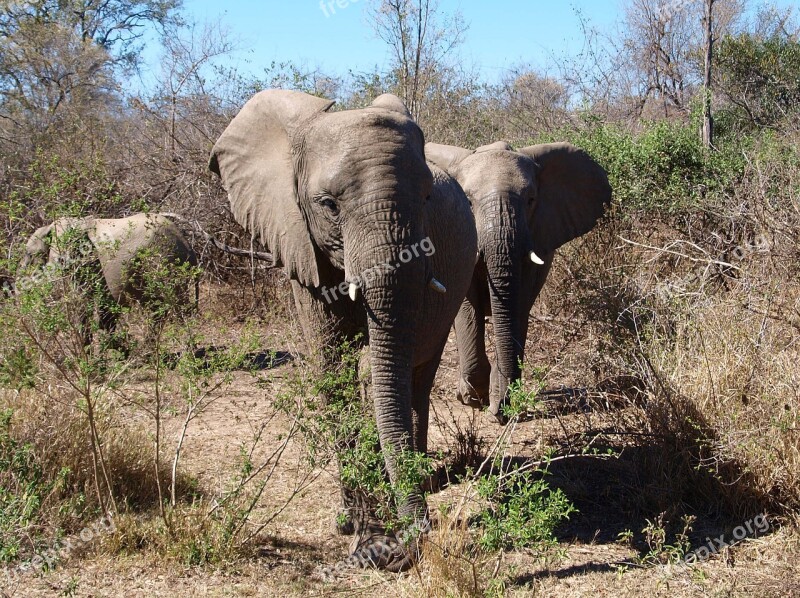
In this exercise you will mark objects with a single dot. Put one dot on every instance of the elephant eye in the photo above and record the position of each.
(328, 203)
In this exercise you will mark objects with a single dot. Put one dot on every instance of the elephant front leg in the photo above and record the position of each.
(326, 326)
(474, 367)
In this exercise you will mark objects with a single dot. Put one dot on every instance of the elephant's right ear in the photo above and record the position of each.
(253, 157)
(446, 157)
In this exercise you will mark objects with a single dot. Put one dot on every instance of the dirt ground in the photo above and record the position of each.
(592, 560)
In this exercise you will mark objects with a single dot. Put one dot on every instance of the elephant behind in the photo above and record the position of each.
(527, 204)
(119, 253)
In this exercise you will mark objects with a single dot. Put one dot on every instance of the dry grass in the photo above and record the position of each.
(58, 433)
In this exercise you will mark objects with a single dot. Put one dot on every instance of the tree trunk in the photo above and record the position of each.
(708, 120)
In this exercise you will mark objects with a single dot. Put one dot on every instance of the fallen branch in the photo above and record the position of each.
(258, 255)
(683, 255)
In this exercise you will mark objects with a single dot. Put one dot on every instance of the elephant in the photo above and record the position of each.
(527, 203)
(375, 243)
(114, 251)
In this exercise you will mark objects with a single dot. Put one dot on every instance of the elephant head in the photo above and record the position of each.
(37, 249)
(527, 203)
(65, 239)
(334, 194)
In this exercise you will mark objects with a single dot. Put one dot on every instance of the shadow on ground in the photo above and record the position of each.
(257, 360)
(654, 479)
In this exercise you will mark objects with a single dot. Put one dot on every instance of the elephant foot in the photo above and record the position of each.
(374, 548)
(498, 396)
(496, 412)
(469, 396)
(381, 551)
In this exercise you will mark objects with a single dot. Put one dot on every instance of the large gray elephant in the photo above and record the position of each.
(109, 250)
(373, 241)
(527, 203)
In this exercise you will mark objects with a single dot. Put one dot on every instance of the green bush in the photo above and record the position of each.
(760, 78)
(522, 511)
(663, 167)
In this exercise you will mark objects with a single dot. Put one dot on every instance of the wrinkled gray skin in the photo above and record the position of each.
(110, 245)
(531, 200)
(333, 195)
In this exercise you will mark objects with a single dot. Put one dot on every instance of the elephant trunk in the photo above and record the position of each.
(504, 248)
(391, 340)
(392, 291)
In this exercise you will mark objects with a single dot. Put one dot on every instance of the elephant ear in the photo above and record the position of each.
(573, 192)
(253, 157)
(446, 157)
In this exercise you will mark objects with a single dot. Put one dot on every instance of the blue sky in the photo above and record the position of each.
(501, 34)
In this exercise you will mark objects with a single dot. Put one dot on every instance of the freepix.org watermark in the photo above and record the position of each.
(351, 287)
(328, 7)
(757, 526)
(55, 269)
(667, 10)
(47, 559)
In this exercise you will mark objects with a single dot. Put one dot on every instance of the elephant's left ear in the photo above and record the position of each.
(573, 192)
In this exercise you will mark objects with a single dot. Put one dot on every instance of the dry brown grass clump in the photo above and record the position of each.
(58, 433)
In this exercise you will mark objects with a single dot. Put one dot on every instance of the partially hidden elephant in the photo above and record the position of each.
(373, 241)
(106, 249)
(527, 203)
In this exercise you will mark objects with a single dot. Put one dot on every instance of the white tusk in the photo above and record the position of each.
(353, 291)
(437, 286)
(536, 259)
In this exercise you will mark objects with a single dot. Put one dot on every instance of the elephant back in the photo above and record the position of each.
(121, 242)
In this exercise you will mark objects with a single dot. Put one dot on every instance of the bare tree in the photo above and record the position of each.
(652, 64)
(708, 119)
(533, 103)
(421, 40)
(659, 44)
(61, 56)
